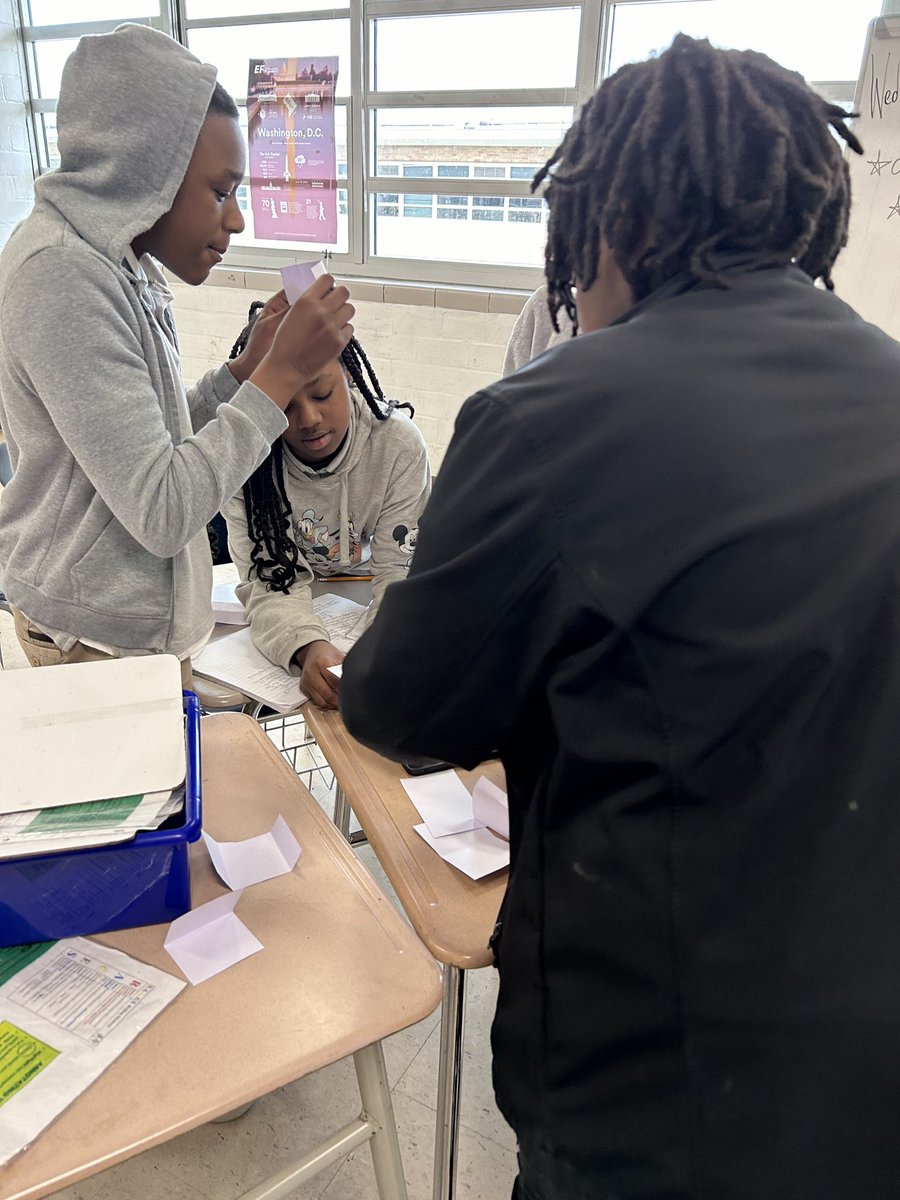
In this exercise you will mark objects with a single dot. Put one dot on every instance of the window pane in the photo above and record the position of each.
(49, 59)
(535, 48)
(482, 140)
(196, 10)
(454, 200)
(57, 12)
(484, 234)
(230, 49)
(822, 39)
(528, 172)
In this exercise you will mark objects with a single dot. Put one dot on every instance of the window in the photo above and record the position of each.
(462, 105)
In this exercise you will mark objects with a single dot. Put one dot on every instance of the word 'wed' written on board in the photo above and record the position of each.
(867, 274)
(290, 130)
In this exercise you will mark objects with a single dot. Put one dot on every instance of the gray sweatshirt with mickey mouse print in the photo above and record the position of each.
(357, 515)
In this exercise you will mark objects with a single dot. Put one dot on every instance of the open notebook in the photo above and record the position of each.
(234, 660)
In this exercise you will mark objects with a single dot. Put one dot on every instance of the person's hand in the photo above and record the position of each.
(310, 335)
(262, 333)
(315, 679)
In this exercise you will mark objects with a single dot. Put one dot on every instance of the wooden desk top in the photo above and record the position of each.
(452, 914)
(340, 969)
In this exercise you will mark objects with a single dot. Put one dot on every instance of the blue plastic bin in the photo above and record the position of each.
(145, 881)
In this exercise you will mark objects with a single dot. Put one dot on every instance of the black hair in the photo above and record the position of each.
(685, 159)
(221, 102)
(275, 555)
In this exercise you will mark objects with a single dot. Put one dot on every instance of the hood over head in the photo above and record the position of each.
(131, 106)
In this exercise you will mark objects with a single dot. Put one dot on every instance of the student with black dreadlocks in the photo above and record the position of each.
(661, 573)
(340, 493)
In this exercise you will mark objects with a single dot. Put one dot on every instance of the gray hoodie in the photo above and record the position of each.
(116, 472)
(533, 332)
(357, 515)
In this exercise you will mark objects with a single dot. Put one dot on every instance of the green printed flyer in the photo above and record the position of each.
(21, 1058)
(14, 958)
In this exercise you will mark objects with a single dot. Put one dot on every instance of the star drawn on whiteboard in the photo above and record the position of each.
(878, 163)
(894, 208)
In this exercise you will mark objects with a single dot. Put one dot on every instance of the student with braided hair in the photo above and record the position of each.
(340, 493)
(660, 572)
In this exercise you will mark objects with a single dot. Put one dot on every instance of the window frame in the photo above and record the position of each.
(362, 182)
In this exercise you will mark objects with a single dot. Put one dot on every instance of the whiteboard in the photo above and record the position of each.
(867, 272)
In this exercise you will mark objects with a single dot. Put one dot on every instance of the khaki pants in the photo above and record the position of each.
(41, 651)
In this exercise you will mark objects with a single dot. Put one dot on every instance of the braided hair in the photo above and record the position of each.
(275, 556)
(687, 158)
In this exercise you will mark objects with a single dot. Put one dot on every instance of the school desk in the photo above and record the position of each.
(452, 914)
(340, 970)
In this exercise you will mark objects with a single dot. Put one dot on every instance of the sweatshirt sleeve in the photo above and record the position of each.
(441, 671)
(92, 379)
(395, 529)
(519, 346)
(280, 624)
(216, 387)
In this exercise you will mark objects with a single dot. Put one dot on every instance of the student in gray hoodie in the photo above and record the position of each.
(341, 493)
(117, 468)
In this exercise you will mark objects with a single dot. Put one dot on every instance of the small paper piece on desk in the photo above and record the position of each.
(297, 277)
(337, 670)
(241, 864)
(476, 853)
(443, 802)
(490, 806)
(210, 938)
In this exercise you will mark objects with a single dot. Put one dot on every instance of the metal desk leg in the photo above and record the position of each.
(446, 1134)
(378, 1110)
(341, 811)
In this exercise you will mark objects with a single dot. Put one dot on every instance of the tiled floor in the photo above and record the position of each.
(219, 1162)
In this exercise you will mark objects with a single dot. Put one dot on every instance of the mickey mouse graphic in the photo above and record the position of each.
(406, 539)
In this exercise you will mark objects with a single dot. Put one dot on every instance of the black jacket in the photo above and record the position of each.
(661, 572)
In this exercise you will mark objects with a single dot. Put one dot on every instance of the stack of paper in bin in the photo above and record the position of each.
(78, 826)
(92, 753)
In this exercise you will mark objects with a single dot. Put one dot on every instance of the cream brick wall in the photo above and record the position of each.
(432, 357)
(16, 175)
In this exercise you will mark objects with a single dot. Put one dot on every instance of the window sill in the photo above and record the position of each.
(369, 291)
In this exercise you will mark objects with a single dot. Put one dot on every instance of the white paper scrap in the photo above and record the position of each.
(241, 864)
(476, 853)
(337, 670)
(210, 939)
(490, 805)
(297, 277)
(443, 802)
(227, 609)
